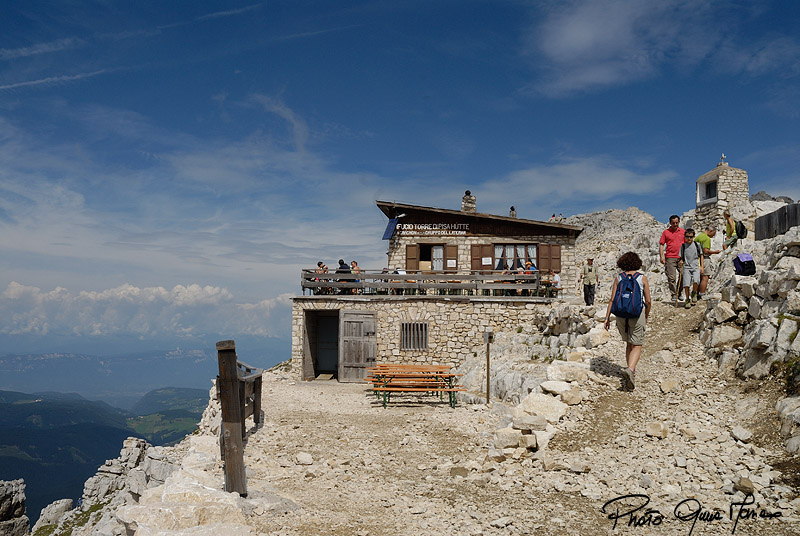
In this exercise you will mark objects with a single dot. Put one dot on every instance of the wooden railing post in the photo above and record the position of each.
(232, 429)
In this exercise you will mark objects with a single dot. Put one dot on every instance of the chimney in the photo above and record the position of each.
(512, 213)
(468, 202)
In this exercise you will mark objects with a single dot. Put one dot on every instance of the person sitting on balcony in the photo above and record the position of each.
(343, 269)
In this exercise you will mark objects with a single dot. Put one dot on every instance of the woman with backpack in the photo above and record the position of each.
(630, 303)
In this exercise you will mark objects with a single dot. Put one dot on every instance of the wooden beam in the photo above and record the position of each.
(232, 428)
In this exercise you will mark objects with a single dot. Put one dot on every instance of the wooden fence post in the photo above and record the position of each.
(228, 384)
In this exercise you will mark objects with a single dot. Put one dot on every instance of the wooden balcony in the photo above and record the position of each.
(370, 283)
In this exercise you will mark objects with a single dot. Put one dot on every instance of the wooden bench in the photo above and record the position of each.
(388, 378)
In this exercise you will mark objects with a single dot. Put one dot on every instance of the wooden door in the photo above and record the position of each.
(357, 345)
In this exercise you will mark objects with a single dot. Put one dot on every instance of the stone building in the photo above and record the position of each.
(718, 190)
(343, 334)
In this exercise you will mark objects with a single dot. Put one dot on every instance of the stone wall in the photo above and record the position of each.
(456, 326)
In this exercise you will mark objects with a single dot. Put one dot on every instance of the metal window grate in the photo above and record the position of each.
(414, 336)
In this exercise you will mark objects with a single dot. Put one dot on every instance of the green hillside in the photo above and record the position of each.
(172, 398)
(55, 462)
(55, 441)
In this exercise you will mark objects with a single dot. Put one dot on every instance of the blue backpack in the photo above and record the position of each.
(628, 300)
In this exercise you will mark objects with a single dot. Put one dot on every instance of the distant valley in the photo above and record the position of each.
(55, 441)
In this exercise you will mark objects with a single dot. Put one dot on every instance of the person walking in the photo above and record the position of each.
(631, 329)
(692, 259)
(669, 251)
(730, 231)
(704, 239)
(590, 278)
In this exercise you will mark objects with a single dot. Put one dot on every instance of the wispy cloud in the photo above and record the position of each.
(229, 13)
(53, 80)
(210, 16)
(582, 46)
(314, 33)
(592, 179)
(41, 48)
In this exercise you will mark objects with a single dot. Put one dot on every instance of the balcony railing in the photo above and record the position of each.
(472, 283)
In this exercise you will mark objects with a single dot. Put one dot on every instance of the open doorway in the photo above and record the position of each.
(322, 344)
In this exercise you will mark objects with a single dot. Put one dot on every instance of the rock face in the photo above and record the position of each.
(13, 521)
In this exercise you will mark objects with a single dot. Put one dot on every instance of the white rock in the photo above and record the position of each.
(555, 387)
(545, 405)
(304, 458)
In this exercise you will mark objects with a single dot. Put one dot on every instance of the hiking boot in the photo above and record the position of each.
(627, 376)
(694, 297)
(688, 304)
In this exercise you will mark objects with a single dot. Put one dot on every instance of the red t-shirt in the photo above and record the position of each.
(673, 240)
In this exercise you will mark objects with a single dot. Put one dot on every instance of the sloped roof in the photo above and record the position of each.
(392, 210)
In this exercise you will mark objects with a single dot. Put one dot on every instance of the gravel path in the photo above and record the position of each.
(355, 468)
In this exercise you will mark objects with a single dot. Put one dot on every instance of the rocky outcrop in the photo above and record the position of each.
(751, 322)
(13, 521)
(158, 490)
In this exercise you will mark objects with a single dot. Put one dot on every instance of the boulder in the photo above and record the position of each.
(529, 423)
(724, 335)
(555, 387)
(741, 434)
(760, 335)
(507, 438)
(572, 397)
(544, 405)
(657, 429)
(723, 312)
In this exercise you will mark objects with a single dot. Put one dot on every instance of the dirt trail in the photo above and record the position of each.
(420, 467)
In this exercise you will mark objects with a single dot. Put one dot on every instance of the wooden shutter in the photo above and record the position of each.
(543, 255)
(555, 257)
(450, 253)
(478, 252)
(412, 257)
(549, 257)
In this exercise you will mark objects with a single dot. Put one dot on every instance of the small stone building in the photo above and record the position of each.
(343, 334)
(718, 190)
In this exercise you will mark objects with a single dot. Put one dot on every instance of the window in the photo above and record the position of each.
(431, 257)
(514, 255)
(414, 336)
(706, 192)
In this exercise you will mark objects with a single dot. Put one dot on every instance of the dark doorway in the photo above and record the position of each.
(321, 345)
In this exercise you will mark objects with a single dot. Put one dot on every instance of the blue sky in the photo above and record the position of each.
(166, 168)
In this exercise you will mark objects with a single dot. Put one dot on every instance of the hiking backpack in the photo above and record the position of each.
(741, 230)
(743, 264)
(628, 301)
(696, 245)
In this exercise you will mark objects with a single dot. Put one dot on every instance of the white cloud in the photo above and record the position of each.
(182, 311)
(582, 45)
(575, 180)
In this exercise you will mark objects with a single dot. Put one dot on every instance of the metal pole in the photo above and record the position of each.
(488, 336)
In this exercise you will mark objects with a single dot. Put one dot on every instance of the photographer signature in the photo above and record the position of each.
(633, 507)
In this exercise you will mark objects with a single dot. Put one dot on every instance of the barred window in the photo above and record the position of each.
(414, 336)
